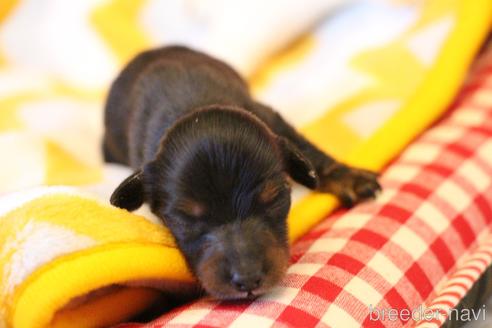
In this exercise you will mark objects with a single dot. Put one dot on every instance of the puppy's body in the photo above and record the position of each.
(212, 163)
(155, 90)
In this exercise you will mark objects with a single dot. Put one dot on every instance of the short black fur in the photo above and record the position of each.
(213, 164)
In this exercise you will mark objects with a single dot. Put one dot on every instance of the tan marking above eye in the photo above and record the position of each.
(269, 192)
(191, 207)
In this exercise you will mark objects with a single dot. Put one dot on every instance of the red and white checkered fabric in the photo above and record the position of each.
(424, 241)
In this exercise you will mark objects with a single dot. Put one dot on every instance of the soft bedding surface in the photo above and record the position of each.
(416, 251)
(67, 258)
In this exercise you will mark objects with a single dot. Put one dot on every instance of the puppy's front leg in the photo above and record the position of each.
(351, 185)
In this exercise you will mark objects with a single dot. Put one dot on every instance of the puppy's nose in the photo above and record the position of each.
(246, 282)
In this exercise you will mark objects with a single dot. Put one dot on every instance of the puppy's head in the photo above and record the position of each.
(219, 182)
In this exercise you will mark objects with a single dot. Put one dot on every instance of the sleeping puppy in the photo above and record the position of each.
(215, 165)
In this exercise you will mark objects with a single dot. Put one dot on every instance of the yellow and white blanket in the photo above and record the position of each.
(359, 78)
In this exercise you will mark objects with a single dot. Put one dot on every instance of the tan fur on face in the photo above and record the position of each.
(191, 207)
(269, 192)
(218, 282)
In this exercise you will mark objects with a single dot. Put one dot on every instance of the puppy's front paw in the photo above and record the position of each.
(350, 185)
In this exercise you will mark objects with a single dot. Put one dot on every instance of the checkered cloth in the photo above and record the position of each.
(419, 246)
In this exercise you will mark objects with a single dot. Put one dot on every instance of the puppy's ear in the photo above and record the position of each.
(297, 165)
(130, 193)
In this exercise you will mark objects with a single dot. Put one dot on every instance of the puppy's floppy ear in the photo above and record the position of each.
(130, 193)
(297, 165)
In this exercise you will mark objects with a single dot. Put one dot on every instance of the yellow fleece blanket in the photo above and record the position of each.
(358, 78)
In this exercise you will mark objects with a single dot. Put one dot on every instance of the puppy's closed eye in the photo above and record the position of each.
(191, 207)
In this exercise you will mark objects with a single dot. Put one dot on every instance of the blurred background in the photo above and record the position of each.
(355, 64)
(359, 78)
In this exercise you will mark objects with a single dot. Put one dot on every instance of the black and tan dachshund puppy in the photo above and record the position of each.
(214, 165)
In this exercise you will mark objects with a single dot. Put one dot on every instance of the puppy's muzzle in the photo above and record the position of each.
(242, 259)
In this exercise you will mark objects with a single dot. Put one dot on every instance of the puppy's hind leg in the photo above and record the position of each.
(107, 154)
(108, 158)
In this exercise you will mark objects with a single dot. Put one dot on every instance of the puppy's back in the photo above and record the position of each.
(156, 89)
